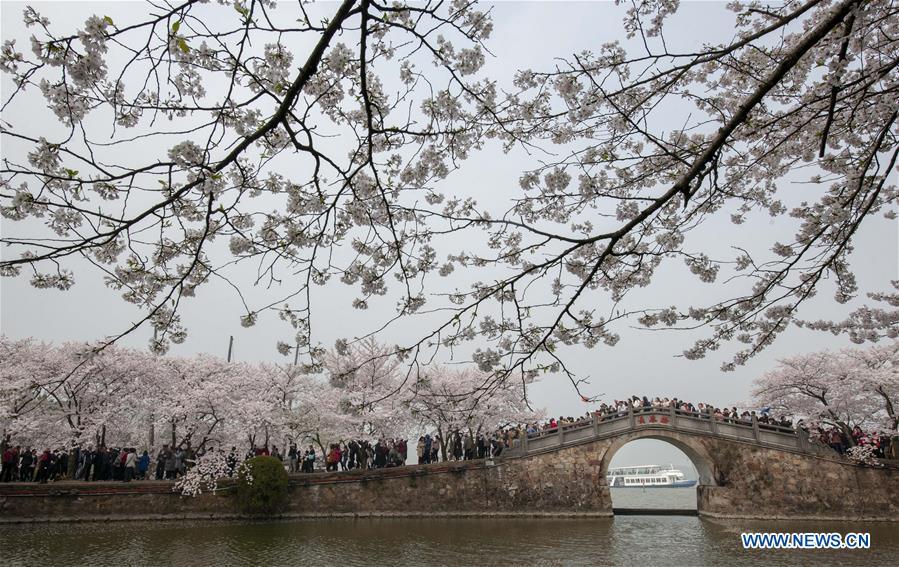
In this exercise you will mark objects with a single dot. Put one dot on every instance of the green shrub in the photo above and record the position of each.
(262, 486)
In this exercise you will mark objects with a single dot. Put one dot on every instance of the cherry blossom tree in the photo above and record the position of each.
(373, 388)
(317, 419)
(877, 370)
(849, 388)
(96, 397)
(290, 402)
(204, 475)
(69, 395)
(194, 398)
(271, 401)
(318, 151)
(447, 400)
(75, 395)
(22, 375)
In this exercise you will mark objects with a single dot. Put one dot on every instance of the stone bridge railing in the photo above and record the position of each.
(604, 426)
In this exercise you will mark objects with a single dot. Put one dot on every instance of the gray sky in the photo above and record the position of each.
(642, 363)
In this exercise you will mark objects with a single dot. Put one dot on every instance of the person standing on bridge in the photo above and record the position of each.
(26, 468)
(420, 450)
(468, 447)
(427, 448)
(43, 467)
(292, 458)
(309, 460)
(143, 465)
(170, 465)
(130, 463)
(496, 447)
(344, 455)
(435, 449)
(10, 462)
(332, 458)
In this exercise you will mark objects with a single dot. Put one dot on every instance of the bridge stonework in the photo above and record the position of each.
(740, 480)
(745, 470)
(754, 482)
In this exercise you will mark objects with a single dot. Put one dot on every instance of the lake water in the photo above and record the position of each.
(675, 498)
(624, 540)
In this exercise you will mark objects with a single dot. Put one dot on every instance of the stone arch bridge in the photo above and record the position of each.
(746, 469)
(697, 434)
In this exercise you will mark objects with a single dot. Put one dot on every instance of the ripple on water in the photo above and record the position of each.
(625, 540)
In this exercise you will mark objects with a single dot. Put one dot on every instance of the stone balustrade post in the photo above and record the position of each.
(755, 429)
(672, 416)
(595, 420)
(713, 423)
(524, 442)
(802, 438)
(561, 434)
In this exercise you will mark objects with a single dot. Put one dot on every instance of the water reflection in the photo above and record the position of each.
(632, 540)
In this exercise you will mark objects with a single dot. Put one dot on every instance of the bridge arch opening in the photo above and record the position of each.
(655, 472)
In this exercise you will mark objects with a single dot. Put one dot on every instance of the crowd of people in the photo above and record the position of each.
(361, 454)
(831, 436)
(836, 439)
(27, 465)
(620, 408)
(384, 453)
(464, 446)
(125, 464)
(103, 463)
(726, 415)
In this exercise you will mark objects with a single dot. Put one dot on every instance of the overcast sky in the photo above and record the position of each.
(527, 34)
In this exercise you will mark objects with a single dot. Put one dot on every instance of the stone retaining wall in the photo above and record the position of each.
(757, 482)
(514, 487)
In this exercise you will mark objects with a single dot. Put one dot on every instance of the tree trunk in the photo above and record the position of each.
(318, 441)
(74, 450)
(891, 409)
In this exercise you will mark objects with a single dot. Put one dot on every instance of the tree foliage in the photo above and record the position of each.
(71, 394)
(848, 388)
(290, 138)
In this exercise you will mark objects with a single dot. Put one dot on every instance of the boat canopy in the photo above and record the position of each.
(640, 470)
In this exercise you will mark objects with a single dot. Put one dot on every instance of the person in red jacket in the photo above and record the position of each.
(9, 464)
(43, 467)
(333, 458)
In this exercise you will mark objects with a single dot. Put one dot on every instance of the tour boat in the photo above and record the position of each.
(648, 476)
